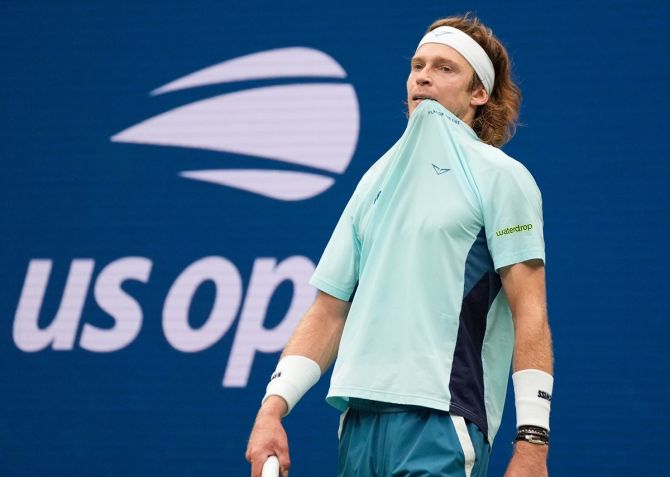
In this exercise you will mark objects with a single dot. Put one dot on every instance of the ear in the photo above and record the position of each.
(479, 97)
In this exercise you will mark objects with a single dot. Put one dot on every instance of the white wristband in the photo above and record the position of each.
(292, 379)
(532, 396)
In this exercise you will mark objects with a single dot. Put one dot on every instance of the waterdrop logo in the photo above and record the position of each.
(311, 126)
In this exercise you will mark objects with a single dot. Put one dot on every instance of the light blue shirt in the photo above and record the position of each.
(420, 243)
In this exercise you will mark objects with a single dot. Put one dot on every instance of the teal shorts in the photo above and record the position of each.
(388, 440)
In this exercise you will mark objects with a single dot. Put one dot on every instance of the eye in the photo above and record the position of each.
(445, 68)
(417, 66)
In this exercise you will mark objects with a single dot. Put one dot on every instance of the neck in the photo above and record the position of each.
(469, 116)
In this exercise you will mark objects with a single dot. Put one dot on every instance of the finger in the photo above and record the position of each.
(284, 461)
(257, 467)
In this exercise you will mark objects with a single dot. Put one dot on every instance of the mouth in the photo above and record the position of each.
(419, 98)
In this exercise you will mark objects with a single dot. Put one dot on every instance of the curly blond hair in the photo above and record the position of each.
(495, 122)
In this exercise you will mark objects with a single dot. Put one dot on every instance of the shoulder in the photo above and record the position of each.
(373, 172)
(493, 166)
(495, 159)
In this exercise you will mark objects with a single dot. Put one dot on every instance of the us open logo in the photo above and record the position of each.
(312, 126)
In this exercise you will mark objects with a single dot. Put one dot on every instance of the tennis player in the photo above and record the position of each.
(431, 285)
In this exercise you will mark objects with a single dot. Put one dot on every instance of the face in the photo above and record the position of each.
(440, 73)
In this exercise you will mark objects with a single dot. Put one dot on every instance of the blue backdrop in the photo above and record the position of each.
(155, 255)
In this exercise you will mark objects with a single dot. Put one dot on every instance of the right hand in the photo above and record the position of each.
(268, 437)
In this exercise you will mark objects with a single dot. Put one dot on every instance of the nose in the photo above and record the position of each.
(423, 78)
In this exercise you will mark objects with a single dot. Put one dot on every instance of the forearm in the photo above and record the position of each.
(532, 344)
(532, 351)
(524, 285)
(308, 354)
(317, 336)
(533, 372)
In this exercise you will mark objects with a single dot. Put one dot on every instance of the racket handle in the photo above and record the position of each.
(271, 467)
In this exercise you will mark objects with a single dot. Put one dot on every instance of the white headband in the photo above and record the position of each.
(466, 46)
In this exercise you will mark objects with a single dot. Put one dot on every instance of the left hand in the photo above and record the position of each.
(528, 460)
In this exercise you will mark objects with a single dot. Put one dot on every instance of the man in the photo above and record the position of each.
(432, 280)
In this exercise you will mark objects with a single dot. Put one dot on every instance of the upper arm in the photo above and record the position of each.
(329, 306)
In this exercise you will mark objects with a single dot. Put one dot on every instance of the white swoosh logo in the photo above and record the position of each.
(287, 185)
(314, 125)
(293, 62)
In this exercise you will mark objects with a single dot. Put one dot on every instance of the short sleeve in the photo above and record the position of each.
(337, 271)
(513, 216)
